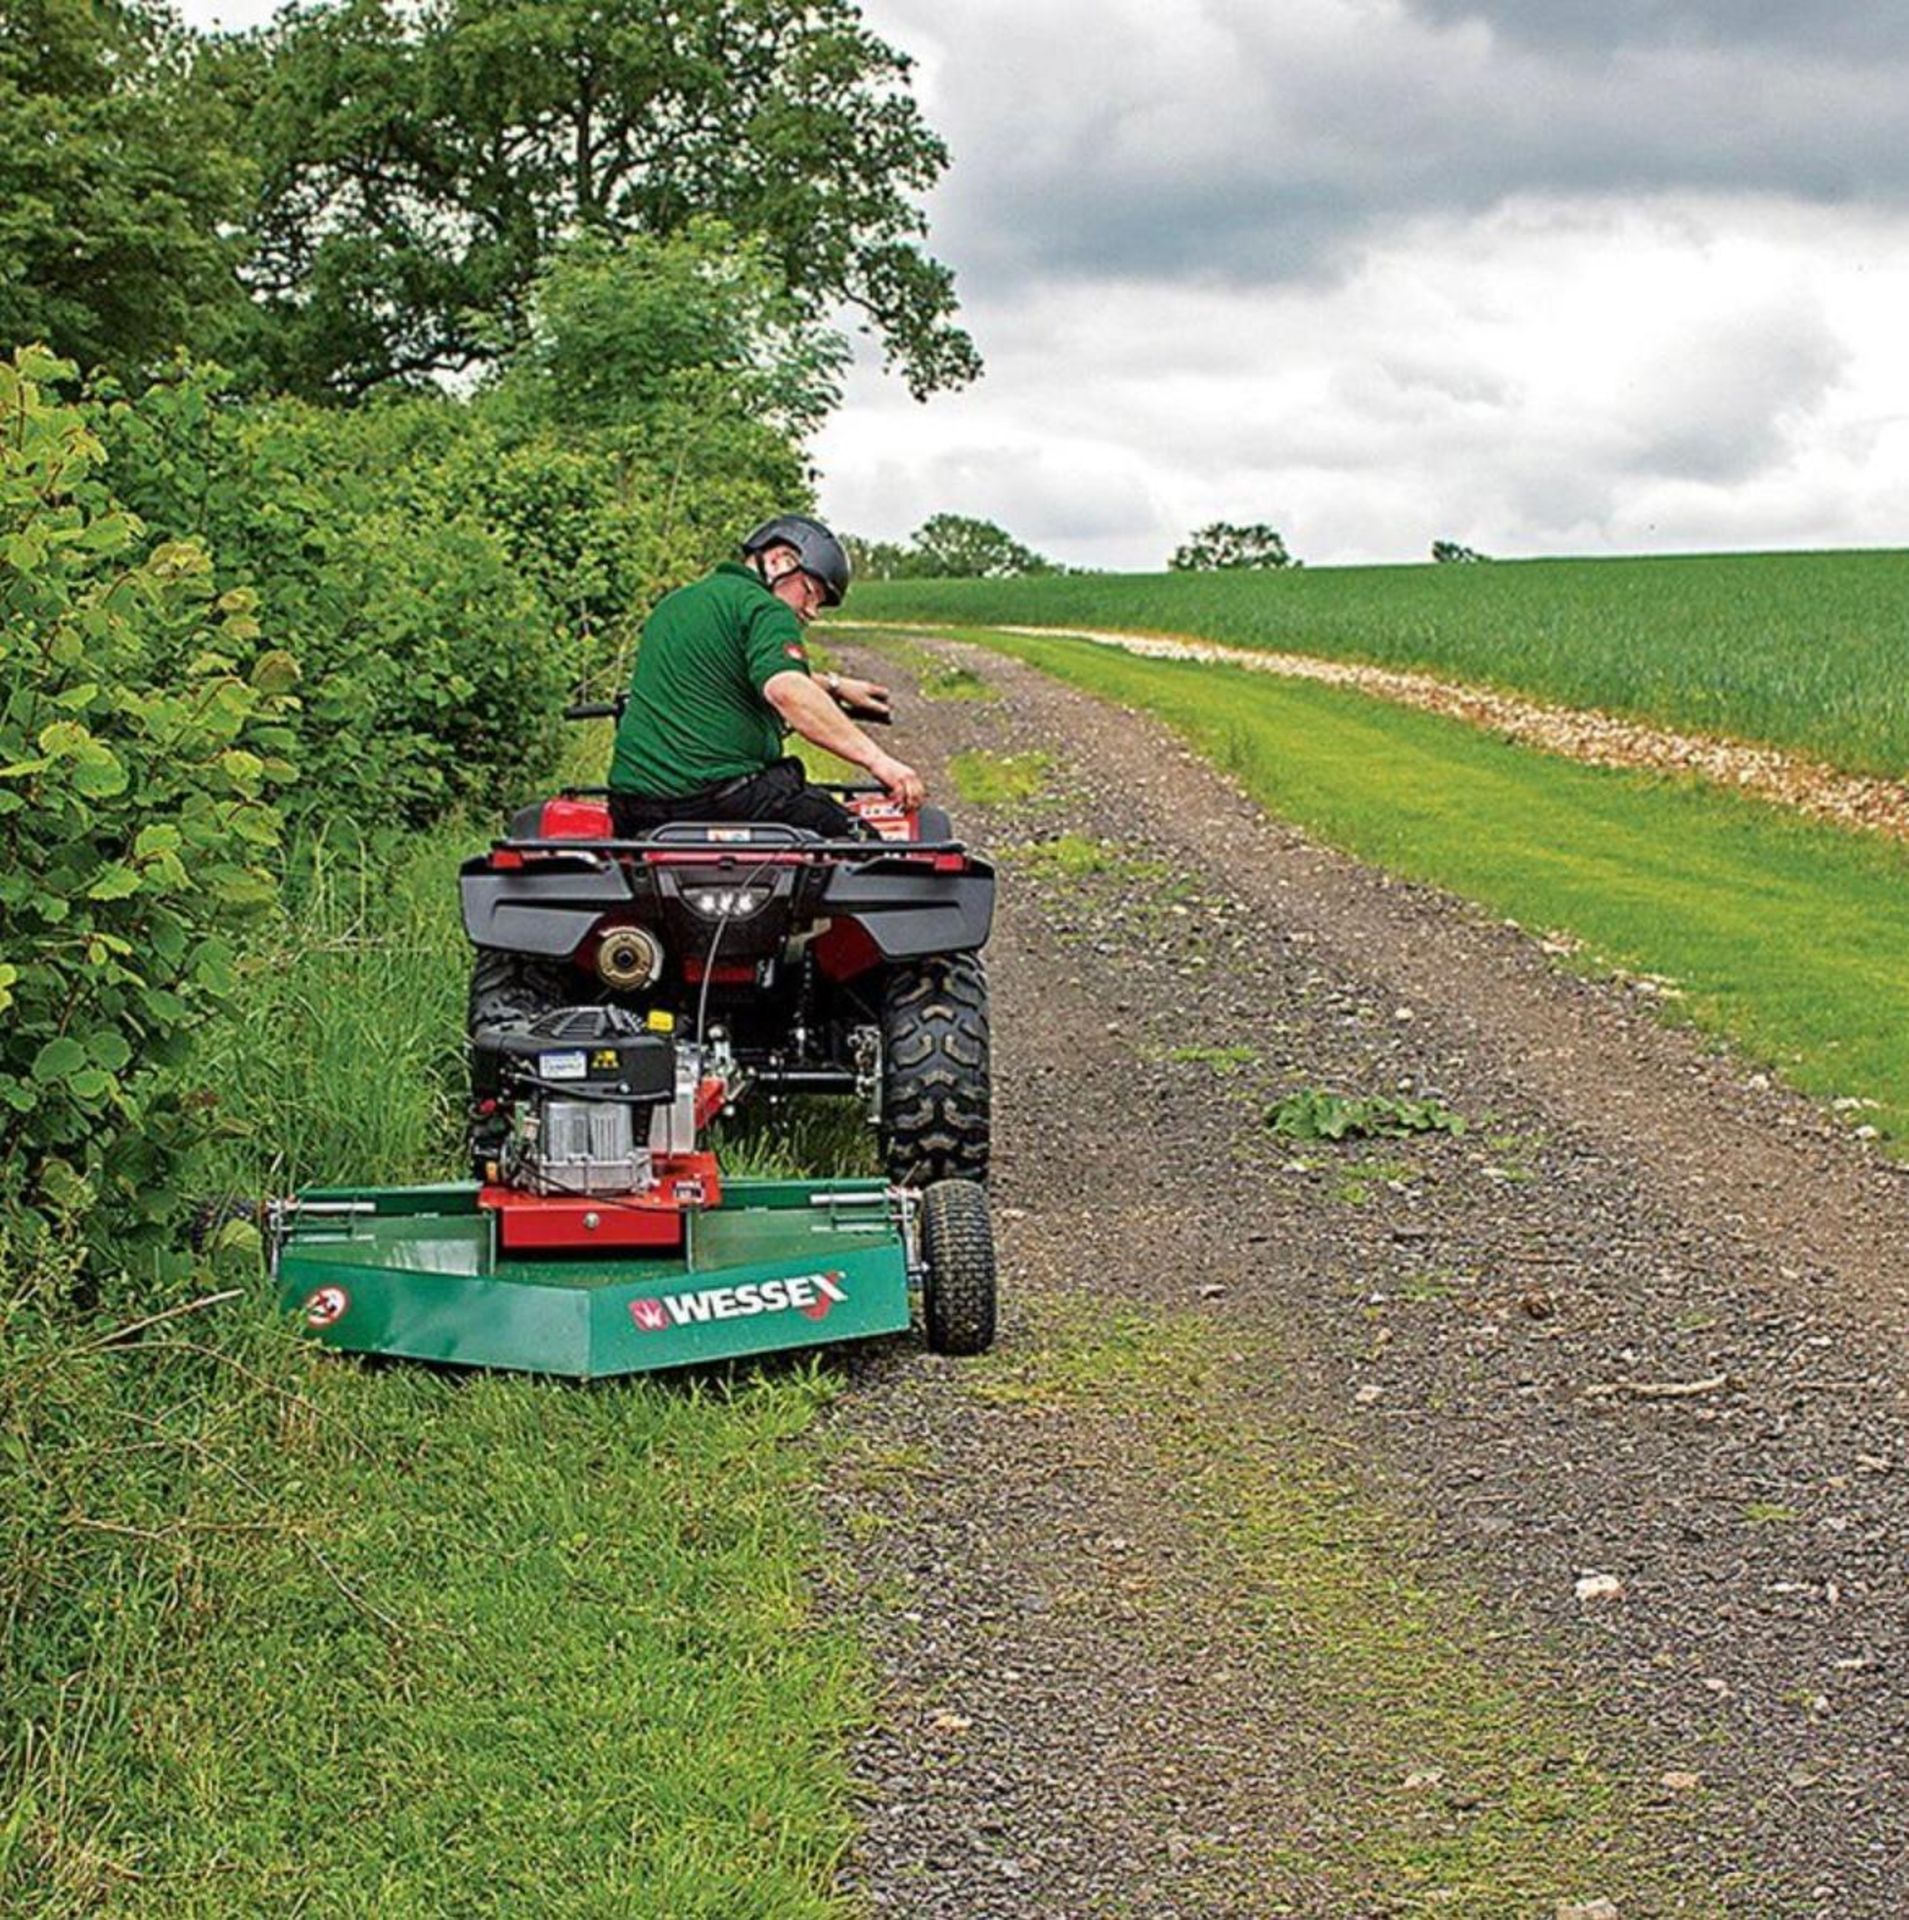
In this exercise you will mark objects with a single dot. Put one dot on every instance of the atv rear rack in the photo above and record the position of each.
(745, 852)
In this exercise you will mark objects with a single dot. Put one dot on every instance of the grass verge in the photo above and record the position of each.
(1804, 650)
(1439, 1764)
(286, 1633)
(1784, 935)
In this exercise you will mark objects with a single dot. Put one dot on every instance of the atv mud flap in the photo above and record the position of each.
(415, 1272)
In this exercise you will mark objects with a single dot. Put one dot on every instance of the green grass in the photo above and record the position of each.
(287, 1633)
(1072, 856)
(1223, 1060)
(346, 1061)
(999, 779)
(1388, 1665)
(1787, 935)
(1807, 650)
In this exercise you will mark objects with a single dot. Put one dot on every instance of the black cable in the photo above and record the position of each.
(715, 944)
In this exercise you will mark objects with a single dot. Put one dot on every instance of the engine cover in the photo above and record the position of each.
(588, 1052)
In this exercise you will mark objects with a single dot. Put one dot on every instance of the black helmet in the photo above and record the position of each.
(820, 553)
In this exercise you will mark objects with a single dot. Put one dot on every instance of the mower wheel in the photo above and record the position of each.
(512, 990)
(957, 1251)
(935, 1096)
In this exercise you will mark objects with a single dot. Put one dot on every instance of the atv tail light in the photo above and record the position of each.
(727, 903)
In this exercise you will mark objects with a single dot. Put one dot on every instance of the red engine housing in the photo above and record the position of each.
(685, 1183)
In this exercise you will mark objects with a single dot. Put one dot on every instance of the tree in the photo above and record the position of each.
(684, 366)
(1225, 545)
(954, 546)
(1448, 553)
(877, 559)
(118, 186)
(419, 165)
(629, 333)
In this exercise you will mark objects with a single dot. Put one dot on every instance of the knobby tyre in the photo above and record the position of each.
(512, 990)
(935, 1085)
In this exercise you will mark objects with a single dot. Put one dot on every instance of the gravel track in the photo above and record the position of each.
(1075, 1720)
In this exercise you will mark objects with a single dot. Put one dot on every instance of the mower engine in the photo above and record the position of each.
(578, 1089)
(586, 1125)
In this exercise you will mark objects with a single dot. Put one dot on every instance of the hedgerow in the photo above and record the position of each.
(432, 574)
(434, 664)
(145, 735)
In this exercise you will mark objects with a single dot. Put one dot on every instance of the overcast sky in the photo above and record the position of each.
(1543, 276)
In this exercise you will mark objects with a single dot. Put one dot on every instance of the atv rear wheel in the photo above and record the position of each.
(934, 1115)
(512, 990)
(957, 1250)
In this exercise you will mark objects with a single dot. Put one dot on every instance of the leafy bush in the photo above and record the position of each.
(143, 737)
(433, 668)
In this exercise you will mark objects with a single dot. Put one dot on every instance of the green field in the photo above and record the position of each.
(1807, 650)
(1784, 934)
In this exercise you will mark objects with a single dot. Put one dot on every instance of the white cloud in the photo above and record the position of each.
(1554, 376)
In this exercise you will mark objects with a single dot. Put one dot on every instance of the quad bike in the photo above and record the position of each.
(810, 966)
(624, 994)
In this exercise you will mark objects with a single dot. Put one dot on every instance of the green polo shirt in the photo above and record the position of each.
(696, 715)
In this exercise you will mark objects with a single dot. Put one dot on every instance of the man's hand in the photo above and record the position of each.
(905, 786)
(867, 699)
(806, 705)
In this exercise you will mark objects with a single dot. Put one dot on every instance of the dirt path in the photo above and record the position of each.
(1248, 1577)
(1578, 733)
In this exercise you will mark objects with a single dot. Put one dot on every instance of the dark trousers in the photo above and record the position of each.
(778, 792)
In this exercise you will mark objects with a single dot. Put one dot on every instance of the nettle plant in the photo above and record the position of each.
(143, 736)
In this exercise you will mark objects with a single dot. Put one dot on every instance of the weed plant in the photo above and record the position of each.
(1314, 1114)
(1807, 650)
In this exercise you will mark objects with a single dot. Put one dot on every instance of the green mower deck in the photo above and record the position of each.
(416, 1272)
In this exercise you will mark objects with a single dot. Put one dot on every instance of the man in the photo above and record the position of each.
(722, 676)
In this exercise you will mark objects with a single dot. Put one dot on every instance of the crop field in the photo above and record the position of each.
(1807, 650)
